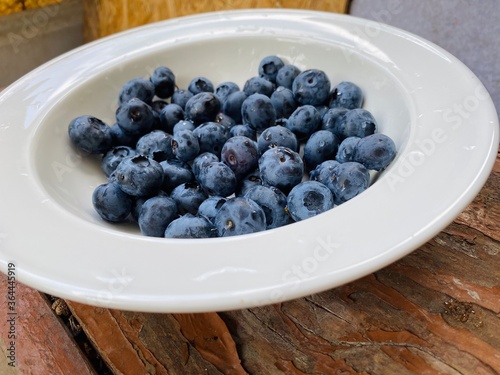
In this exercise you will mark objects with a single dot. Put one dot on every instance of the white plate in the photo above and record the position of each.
(436, 110)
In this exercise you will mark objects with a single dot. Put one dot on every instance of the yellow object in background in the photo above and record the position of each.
(13, 6)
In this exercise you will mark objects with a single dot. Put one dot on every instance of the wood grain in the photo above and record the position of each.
(42, 344)
(436, 311)
(102, 18)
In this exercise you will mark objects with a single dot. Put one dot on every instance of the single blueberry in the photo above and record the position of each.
(217, 179)
(183, 125)
(308, 199)
(277, 136)
(200, 84)
(135, 117)
(210, 207)
(181, 97)
(158, 105)
(111, 202)
(346, 149)
(250, 180)
(139, 175)
(257, 111)
(188, 197)
(156, 145)
(163, 80)
(334, 120)
(175, 173)
(232, 105)
(170, 115)
(323, 172)
(224, 89)
(239, 216)
(375, 151)
(185, 145)
(347, 181)
(190, 226)
(113, 157)
(346, 95)
(225, 120)
(120, 138)
(281, 167)
(243, 130)
(90, 135)
(203, 159)
(283, 102)
(156, 214)
(269, 67)
(311, 87)
(240, 154)
(286, 75)
(321, 145)
(211, 137)
(258, 85)
(360, 123)
(304, 121)
(139, 88)
(202, 107)
(273, 202)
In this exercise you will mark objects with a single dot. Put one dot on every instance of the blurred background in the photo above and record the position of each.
(33, 32)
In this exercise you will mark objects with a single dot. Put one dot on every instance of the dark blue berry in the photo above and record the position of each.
(347, 181)
(321, 145)
(311, 87)
(156, 214)
(163, 80)
(190, 226)
(224, 89)
(170, 115)
(269, 67)
(139, 175)
(114, 157)
(375, 151)
(156, 145)
(346, 149)
(210, 207)
(175, 173)
(283, 102)
(135, 117)
(277, 136)
(308, 199)
(202, 107)
(242, 130)
(181, 97)
(346, 95)
(232, 105)
(258, 85)
(217, 179)
(111, 203)
(304, 121)
(257, 111)
(240, 154)
(239, 216)
(188, 197)
(281, 167)
(286, 75)
(273, 202)
(185, 145)
(90, 135)
(200, 84)
(139, 88)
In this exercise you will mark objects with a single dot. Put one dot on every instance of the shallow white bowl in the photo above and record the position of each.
(438, 113)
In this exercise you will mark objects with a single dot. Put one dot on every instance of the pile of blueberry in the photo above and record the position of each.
(215, 161)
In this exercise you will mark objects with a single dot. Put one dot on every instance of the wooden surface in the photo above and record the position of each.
(105, 17)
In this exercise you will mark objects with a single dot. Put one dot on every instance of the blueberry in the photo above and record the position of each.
(277, 136)
(202, 160)
(175, 173)
(158, 105)
(217, 179)
(321, 145)
(190, 226)
(135, 117)
(170, 115)
(183, 125)
(258, 85)
(311, 87)
(375, 151)
(163, 79)
(232, 105)
(114, 157)
(250, 180)
(211, 137)
(323, 171)
(347, 181)
(346, 95)
(181, 97)
(257, 111)
(225, 120)
(188, 197)
(90, 135)
(156, 145)
(281, 167)
(210, 207)
(202, 107)
(346, 149)
(200, 84)
(308, 199)
(243, 130)
(273, 202)
(185, 145)
(224, 89)
(139, 88)
(269, 67)
(334, 120)
(120, 138)
(359, 122)
(304, 121)
(238, 216)
(286, 75)
(283, 102)
(139, 175)
(156, 214)
(111, 203)
(240, 154)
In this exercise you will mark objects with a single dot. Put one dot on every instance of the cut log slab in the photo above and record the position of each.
(436, 310)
